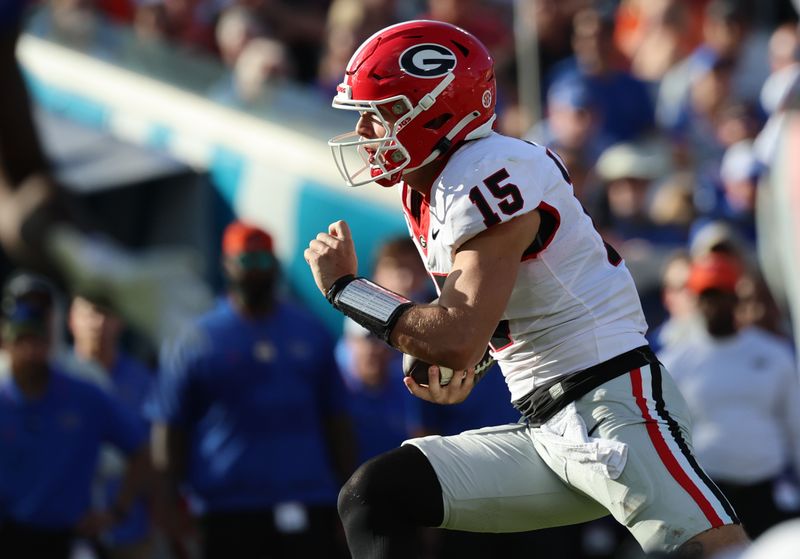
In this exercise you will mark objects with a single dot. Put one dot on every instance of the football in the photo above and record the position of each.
(418, 369)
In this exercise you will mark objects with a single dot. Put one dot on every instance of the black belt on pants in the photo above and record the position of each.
(544, 401)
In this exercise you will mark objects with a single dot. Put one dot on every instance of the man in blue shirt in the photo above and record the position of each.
(97, 356)
(380, 405)
(51, 430)
(251, 414)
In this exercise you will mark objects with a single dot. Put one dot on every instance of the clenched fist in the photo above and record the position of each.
(331, 255)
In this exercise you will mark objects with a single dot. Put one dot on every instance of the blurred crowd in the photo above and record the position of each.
(233, 441)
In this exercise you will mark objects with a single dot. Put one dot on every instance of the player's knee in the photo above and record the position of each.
(398, 487)
(364, 496)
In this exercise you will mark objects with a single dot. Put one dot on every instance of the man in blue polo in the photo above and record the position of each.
(98, 356)
(51, 430)
(250, 415)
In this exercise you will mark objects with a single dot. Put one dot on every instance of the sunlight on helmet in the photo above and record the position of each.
(430, 85)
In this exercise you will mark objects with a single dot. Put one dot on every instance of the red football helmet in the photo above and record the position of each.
(435, 83)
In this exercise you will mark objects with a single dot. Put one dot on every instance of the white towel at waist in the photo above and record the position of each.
(566, 434)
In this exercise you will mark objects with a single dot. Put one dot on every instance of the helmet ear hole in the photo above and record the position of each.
(438, 122)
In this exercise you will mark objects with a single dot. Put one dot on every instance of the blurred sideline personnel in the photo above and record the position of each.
(379, 404)
(741, 385)
(97, 356)
(156, 291)
(251, 415)
(519, 267)
(51, 429)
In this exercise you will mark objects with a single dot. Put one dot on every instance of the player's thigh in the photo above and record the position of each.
(493, 480)
(662, 495)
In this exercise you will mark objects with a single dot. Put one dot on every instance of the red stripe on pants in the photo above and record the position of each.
(669, 460)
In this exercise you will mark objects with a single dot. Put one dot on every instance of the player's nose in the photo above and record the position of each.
(364, 127)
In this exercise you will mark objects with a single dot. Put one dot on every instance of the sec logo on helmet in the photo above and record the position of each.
(427, 60)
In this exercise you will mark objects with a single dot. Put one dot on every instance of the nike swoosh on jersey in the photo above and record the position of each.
(434, 234)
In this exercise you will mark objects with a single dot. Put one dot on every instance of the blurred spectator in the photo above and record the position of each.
(250, 414)
(727, 36)
(380, 405)
(99, 358)
(624, 103)
(718, 237)
(630, 174)
(655, 34)
(739, 175)
(150, 22)
(263, 63)
(299, 25)
(694, 128)
(757, 307)
(257, 63)
(399, 266)
(672, 203)
(552, 22)
(237, 25)
(679, 303)
(53, 426)
(348, 24)
(572, 128)
(742, 390)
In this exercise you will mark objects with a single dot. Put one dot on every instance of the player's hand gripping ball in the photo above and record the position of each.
(418, 369)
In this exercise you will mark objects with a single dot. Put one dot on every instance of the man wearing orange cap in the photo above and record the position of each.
(742, 390)
(250, 415)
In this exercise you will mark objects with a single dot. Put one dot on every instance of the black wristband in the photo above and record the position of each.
(374, 307)
(337, 286)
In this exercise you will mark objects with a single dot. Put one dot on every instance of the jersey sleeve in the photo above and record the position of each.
(499, 189)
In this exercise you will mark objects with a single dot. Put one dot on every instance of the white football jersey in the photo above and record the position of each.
(574, 303)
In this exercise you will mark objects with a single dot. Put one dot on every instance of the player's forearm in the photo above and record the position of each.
(440, 335)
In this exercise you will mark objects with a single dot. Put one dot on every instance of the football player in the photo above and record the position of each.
(519, 266)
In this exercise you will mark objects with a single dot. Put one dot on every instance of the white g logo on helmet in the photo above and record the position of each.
(427, 60)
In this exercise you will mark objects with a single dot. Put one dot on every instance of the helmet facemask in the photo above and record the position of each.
(363, 160)
(381, 160)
